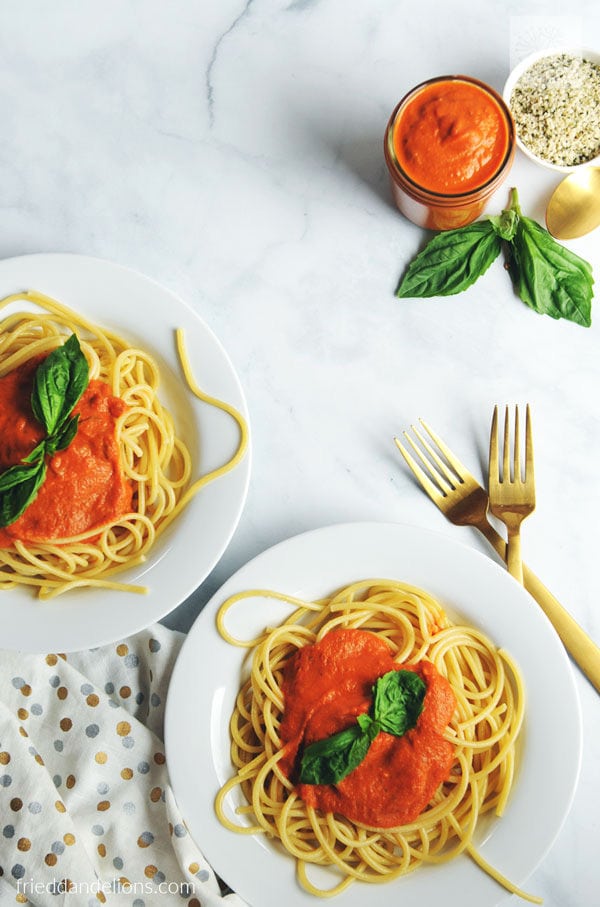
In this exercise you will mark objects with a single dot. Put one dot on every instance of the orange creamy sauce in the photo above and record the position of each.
(450, 138)
(84, 486)
(326, 686)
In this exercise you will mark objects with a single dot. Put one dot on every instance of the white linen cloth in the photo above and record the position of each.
(87, 816)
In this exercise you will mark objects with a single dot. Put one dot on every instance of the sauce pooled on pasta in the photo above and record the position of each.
(84, 486)
(326, 685)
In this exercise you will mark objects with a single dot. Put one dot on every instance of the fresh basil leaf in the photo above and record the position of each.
(19, 486)
(330, 760)
(398, 701)
(58, 384)
(452, 261)
(548, 277)
(62, 439)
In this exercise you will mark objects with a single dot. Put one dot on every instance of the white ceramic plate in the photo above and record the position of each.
(207, 674)
(147, 314)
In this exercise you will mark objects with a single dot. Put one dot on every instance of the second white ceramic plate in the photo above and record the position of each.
(147, 315)
(473, 589)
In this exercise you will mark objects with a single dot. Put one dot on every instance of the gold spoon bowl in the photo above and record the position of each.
(574, 207)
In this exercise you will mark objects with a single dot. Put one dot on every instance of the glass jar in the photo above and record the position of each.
(449, 145)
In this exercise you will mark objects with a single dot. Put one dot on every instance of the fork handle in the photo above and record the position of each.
(582, 649)
(514, 561)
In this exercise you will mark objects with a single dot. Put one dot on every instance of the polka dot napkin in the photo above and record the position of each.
(87, 816)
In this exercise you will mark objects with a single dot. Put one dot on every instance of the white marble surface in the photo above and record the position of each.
(232, 150)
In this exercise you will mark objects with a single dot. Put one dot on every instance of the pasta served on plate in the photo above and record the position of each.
(310, 726)
(106, 493)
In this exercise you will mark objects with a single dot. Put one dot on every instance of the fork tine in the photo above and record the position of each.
(434, 493)
(494, 468)
(461, 471)
(528, 447)
(445, 477)
(506, 452)
(517, 469)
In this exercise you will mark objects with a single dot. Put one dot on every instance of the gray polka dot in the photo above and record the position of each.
(18, 682)
(5, 781)
(8, 831)
(143, 768)
(129, 807)
(86, 689)
(36, 709)
(138, 903)
(128, 742)
(57, 780)
(147, 837)
(113, 704)
(158, 878)
(32, 750)
(139, 698)
(118, 863)
(97, 830)
(58, 746)
(203, 875)
(58, 847)
(131, 660)
(109, 687)
(92, 730)
(179, 831)
(155, 700)
(154, 645)
(54, 680)
(18, 871)
(103, 788)
(35, 807)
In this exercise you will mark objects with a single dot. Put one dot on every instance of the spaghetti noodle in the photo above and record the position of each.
(483, 731)
(153, 458)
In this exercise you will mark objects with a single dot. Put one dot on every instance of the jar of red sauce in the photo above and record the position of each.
(449, 145)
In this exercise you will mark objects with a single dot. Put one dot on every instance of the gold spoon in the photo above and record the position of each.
(574, 207)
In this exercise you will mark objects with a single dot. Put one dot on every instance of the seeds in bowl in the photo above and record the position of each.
(556, 108)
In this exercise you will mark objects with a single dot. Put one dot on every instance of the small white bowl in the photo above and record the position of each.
(522, 67)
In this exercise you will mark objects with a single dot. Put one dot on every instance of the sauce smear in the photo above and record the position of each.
(326, 686)
(84, 486)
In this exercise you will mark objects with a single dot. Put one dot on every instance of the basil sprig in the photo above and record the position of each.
(397, 703)
(548, 277)
(58, 383)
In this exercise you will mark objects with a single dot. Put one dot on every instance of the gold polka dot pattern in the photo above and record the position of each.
(84, 789)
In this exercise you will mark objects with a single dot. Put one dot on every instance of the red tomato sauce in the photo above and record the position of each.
(84, 486)
(451, 137)
(326, 686)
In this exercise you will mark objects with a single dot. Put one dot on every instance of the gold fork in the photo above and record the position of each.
(464, 502)
(512, 493)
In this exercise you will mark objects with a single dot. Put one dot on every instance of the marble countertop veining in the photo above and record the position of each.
(232, 150)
